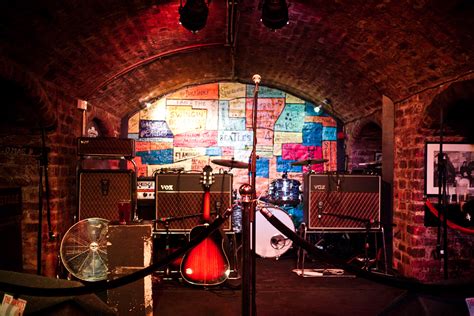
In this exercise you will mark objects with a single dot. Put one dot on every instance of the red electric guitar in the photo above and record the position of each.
(206, 264)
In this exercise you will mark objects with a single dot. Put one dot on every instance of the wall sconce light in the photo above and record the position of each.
(193, 15)
(275, 14)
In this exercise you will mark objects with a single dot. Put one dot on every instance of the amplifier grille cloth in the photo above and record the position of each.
(180, 197)
(183, 204)
(338, 209)
(100, 192)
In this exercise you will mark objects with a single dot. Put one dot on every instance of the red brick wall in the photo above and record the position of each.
(415, 244)
(20, 168)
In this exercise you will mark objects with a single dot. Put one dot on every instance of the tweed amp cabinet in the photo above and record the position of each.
(100, 190)
(179, 200)
(342, 202)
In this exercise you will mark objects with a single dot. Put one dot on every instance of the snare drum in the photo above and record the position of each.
(284, 191)
(269, 241)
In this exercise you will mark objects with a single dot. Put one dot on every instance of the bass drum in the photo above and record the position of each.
(269, 241)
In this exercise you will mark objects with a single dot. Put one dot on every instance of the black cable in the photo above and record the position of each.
(111, 284)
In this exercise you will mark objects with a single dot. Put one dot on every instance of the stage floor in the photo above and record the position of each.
(280, 291)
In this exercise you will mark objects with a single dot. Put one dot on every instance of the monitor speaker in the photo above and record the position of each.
(179, 200)
(101, 190)
(342, 202)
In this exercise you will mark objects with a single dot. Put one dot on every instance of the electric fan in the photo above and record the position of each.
(84, 249)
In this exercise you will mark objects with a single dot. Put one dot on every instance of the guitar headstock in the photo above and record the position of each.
(207, 178)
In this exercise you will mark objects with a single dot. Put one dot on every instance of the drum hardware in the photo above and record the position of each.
(308, 162)
(369, 224)
(231, 163)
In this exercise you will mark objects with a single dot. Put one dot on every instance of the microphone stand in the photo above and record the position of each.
(248, 193)
(442, 199)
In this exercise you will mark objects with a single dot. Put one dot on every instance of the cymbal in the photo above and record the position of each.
(231, 163)
(370, 164)
(308, 162)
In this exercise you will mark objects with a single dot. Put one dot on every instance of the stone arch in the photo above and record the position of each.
(457, 103)
(364, 143)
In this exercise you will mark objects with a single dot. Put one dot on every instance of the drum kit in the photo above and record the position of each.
(284, 200)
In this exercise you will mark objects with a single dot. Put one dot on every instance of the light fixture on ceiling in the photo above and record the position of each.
(275, 14)
(317, 108)
(193, 15)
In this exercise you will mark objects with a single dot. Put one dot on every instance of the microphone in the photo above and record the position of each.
(320, 209)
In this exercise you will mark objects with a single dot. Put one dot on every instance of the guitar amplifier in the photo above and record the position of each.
(100, 190)
(342, 202)
(106, 147)
(179, 200)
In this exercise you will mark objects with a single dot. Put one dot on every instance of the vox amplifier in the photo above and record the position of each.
(100, 190)
(342, 202)
(179, 200)
(106, 147)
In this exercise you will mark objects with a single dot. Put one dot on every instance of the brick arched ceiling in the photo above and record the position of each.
(115, 53)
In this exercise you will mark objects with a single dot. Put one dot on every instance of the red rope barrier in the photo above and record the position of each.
(450, 224)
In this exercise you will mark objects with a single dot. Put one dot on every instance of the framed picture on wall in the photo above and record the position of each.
(459, 165)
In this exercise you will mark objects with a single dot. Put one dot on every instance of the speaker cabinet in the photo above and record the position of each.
(129, 249)
(342, 202)
(101, 190)
(179, 200)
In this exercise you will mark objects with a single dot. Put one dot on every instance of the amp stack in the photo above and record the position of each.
(100, 188)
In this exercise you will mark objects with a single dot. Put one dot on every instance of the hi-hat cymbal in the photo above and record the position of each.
(308, 162)
(231, 163)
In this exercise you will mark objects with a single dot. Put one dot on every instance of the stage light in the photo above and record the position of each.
(193, 15)
(275, 14)
(317, 108)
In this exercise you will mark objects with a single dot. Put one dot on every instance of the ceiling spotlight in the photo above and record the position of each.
(317, 108)
(193, 15)
(275, 14)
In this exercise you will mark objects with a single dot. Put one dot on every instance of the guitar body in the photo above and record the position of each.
(206, 263)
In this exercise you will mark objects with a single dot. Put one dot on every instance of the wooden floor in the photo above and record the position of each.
(280, 291)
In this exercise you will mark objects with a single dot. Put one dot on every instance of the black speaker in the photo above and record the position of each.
(101, 190)
(129, 249)
(342, 202)
(179, 198)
